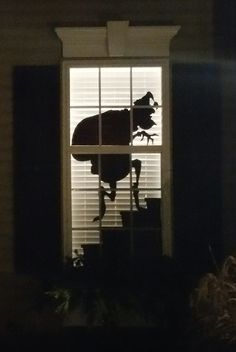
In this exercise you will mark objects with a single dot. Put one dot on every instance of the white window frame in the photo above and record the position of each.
(118, 45)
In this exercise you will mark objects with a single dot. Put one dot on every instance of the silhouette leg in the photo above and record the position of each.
(136, 164)
(102, 195)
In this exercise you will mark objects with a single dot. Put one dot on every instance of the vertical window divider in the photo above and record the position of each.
(99, 155)
(66, 169)
(131, 231)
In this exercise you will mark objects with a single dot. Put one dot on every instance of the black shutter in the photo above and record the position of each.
(37, 169)
(197, 164)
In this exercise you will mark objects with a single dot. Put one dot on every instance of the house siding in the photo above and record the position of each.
(27, 38)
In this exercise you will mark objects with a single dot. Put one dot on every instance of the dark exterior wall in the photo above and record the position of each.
(27, 38)
(197, 165)
(36, 168)
(225, 53)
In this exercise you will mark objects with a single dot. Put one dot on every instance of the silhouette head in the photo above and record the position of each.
(142, 111)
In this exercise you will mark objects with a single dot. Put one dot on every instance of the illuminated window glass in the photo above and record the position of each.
(118, 112)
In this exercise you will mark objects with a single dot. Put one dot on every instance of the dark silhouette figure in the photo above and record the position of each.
(116, 130)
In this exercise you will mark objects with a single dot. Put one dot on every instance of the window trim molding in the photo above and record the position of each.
(88, 47)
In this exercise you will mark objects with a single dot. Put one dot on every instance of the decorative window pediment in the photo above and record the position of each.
(117, 39)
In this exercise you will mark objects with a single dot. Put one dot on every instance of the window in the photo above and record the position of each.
(116, 141)
(102, 100)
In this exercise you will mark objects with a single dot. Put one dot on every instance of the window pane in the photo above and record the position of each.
(122, 202)
(147, 79)
(115, 86)
(85, 207)
(153, 135)
(150, 175)
(84, 85)
(81, 237)
(115, 126)
(81, 175)
(87, 131)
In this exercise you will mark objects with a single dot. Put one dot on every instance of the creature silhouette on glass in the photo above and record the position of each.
(115, 130)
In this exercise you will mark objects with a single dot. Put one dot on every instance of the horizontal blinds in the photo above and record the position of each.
(92, 92)
(82, 180)
(115, 86)
(85, 198)
(146, 79)
(84, 87)
(119, 86)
